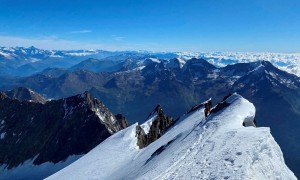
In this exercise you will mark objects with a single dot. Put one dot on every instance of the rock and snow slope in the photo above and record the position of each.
(218, 147)
(37, 140)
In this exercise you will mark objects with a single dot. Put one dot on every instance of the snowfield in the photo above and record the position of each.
(218, 147)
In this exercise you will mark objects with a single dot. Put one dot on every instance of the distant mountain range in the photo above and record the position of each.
(20, 61)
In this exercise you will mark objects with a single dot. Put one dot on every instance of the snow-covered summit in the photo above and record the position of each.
(195, 147)
(148, 61)
(175, 63)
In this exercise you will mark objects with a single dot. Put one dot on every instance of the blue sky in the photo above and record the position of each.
(158, 25)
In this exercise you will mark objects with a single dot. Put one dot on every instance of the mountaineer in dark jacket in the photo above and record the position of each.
(207, 107)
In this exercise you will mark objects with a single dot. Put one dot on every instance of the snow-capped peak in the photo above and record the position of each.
(195, 147)
(175, 63)
(150, 60)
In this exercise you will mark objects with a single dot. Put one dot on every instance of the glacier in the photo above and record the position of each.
(195, 147)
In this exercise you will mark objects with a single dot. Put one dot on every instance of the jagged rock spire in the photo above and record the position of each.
(159, 123)
(122, 121)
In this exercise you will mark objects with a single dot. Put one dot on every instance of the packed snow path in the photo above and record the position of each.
(218, 147)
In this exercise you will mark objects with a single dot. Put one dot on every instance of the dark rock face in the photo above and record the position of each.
(194, 108)
(157, 129)
(25, 94)
(2, 95)
(106, 117)
(53, 131)
(221, 105)
(123, 123)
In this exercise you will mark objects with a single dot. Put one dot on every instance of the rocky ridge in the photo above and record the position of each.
(155, 126)
(25, 94)
(52, 132)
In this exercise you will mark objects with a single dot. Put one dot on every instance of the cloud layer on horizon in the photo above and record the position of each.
(55, 43)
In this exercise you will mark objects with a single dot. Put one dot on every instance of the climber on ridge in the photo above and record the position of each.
(207, 107)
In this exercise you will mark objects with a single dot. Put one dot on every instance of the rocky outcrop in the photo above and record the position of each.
(25, 94)
(159, 123)
(2, 95)
(53, 131)
(105, 116)
(123, 123)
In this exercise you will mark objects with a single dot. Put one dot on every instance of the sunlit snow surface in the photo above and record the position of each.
(218, 147)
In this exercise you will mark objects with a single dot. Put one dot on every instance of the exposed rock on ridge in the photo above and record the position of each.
(103, 113)
(159, 123)
(25, 94)
(122, 121)
(2, 95)
(53, 131)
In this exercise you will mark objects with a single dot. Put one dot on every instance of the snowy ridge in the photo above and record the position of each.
(218, 147)
(80, 53)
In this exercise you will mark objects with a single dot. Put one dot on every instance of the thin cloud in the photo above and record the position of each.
(49, 43)
(117, 38)
(53, 42)
(81, 31)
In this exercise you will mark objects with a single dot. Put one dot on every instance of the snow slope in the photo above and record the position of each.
(218, 147)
